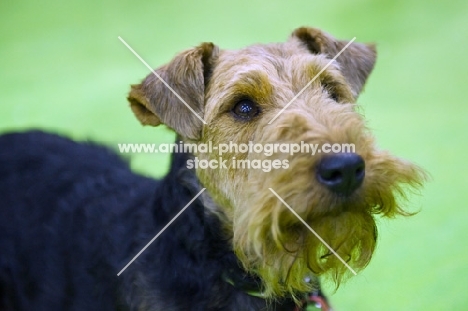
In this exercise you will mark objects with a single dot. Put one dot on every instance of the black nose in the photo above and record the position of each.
(342, 173)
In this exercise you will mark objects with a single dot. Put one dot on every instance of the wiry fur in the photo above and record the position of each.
(267, 238)
(276, 243)
(249, 233)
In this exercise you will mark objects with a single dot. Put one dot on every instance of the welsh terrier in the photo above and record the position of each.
(252, 225)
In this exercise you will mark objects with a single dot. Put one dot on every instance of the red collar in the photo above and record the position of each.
(314, 301)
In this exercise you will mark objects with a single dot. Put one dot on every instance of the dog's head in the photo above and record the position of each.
(291, 212)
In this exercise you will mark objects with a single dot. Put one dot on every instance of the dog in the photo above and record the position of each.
(230, 229)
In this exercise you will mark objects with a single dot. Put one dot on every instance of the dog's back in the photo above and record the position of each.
(61, 204)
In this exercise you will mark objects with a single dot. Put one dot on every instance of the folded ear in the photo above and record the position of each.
(153, 102)
(356, 62)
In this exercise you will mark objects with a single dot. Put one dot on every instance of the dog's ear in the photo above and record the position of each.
(153, 102)
(356, 62)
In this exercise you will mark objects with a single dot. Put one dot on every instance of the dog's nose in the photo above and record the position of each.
(342, 173)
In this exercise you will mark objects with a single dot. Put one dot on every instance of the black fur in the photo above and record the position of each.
(72, 215)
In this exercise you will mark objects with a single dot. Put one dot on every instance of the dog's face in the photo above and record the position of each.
(263, 95)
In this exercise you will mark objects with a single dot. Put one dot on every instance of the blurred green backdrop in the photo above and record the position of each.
(62, 68)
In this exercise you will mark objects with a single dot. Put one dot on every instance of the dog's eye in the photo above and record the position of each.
(331, 90)
(334, 96)
(245, 109)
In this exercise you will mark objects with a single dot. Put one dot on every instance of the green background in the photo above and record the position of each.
(62, 68)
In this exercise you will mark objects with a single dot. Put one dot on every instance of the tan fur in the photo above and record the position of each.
(267, 238)
(153, 103)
